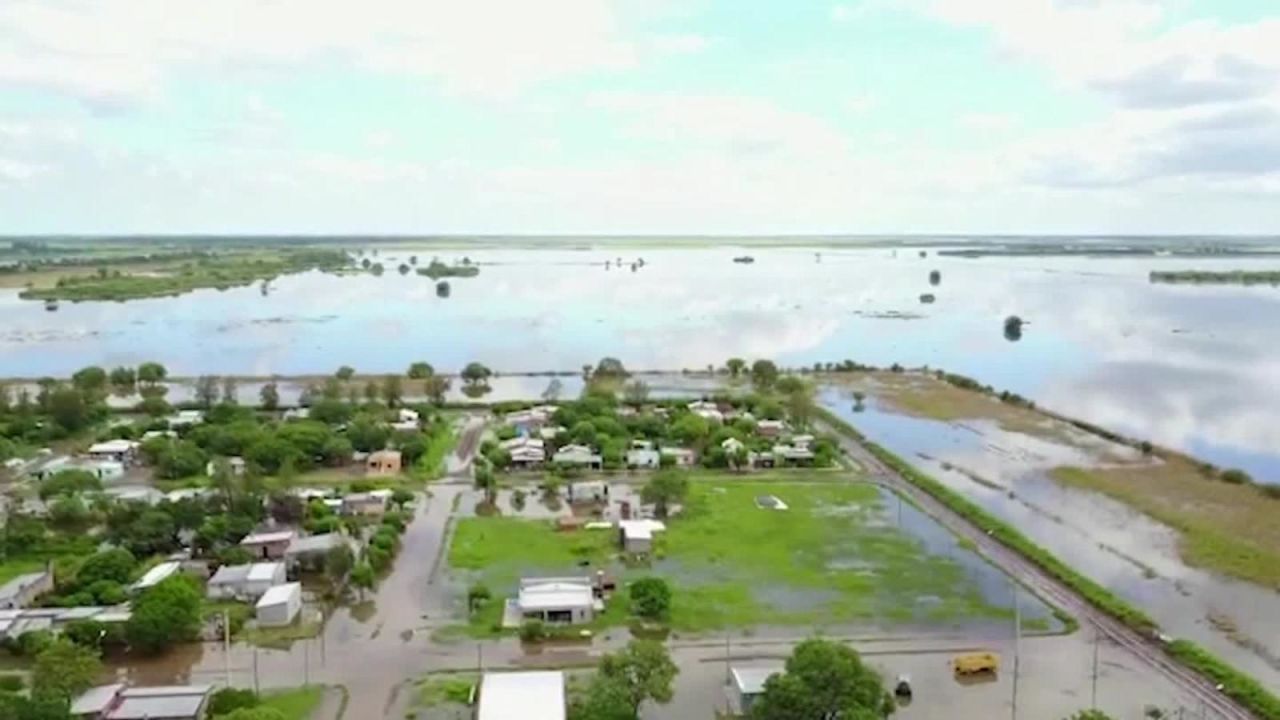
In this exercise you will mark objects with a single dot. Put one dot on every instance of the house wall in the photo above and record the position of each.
(280, 614)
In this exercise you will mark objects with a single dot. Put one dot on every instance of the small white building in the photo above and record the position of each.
(134, 494)
(300, 413)
(525, 695)
(245, 582)
(770, 428)
(578, 455)
(525, 451)
(186, 418)
(681, 457)
(156, 575)
(556, 600)
(119, 702)
(643, 459)
(746, 684)
(732, 445)
(121, 451)
(235, 464)
(636, 536)
(279, 605)
(588, 491)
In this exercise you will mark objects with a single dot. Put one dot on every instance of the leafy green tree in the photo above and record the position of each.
(269, 395)
(152, 373)
(401, 497)
(435, 387)
(90, 380)
(651, 598)
(788, 384)
(800, 407)
(690, 429)
(331, 412)
(476, 374)
(636, 392)
(1013, 328)
(420, 371)
(644, 670)
(271, 453)
(206, 391)
(123, 378)
(664, 489)
(230, 396)
(735, 366)
(115, 565)
(337, 563)
(371, 391)
(165, 614)
(368, 434)
(392, 390)
(362, 576)
(228, 700)
(605, 698)
(823, 679)
(764, 374)
(152, 533)
(610, 367)
(345, 373)
(1090, 715)
(68, 408)
(64, 669)
(69, 482)
(487, 482)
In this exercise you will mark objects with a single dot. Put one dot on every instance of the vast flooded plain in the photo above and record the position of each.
(1192, 367)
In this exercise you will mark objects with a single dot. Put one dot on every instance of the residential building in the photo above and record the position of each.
(121, 451)
(535, 695)
(588, 491)
(802, 441)
(135, 494)
(578, 455)
(120, 702)
(235, 464)
(104, 470)
(770, 428)
(746, 684)
(245, 582)
(636, 536)
(279, 605)
(383, 462)
(15, 623)
(684, 457)
(528, 422)
(269, 545)
(707, 410)
(643, 459)
(556, 600)
(549, 432)
(300, 413)
(186, 418)
(792, 455)
(525, 452)
(311, 551)
(23, 590)
(369, 504)
(156, 575)
(188, 494)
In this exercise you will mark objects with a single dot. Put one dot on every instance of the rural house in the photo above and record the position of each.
(245, 582)
(383, 462)
(279, 605)
(746, 684)
(22, 590)
(120, 702)
(270, 545)
(556, 600)
(536, 695)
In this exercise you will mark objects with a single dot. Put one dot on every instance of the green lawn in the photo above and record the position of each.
(13, 568)
(296, 704)
(831, 558)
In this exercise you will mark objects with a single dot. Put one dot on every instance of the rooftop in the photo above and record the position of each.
(96, 699)
(268, 537)
(750, 681)
(17, 584)
(157, 574)
(279, 594)
(524, 695)
(555, 593)
(169, 701)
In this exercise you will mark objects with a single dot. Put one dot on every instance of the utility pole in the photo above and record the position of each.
(256, 687)
(226, 645)
(728, 673)
(1017, 640)
(1093, 692)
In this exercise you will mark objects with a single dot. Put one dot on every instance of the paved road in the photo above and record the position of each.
(1032, 576)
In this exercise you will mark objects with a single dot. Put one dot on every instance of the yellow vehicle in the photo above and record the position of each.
(974, 663)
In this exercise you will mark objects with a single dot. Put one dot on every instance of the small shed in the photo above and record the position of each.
(556, 600)
(636, 536)
(245, 582)
(268, 545)
(746, 684)
(279, 605)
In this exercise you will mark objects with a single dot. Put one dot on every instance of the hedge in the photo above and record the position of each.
(1235, 684)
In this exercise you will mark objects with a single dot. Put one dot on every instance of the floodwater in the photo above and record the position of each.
(1188, 367)
(1124, 550)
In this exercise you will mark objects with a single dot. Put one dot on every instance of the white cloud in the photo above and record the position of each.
(120, 51)
(988, 121)
(862, 103)
(681, 44)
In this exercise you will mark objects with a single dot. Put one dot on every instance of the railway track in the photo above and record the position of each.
(1148, 650)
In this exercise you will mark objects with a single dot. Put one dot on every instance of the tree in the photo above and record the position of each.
(610, 367)
(644, 670)
(604, 699)
(435, 387)
(164, 614)
(1090, 715)
(392, 390)
(800, 407)
(764, 374)
(69, 482)
(735, 366)
(420, 371)
(476, 374)
(270, 396)
(90, 380)
(229, 388)
(337, 563)
(68, 408)
(935, 277)
(367, 434)
(823, 679)
(636, 392)
(442, 289)
(486, 481)
(64, 670)
(228, 700)
(477, 595)
(152, 373)
(116, 564)
(123, 378)
(665, 488)
(345, 373)
(1013, 328)
(651, 598)
(401, 497)
(206, 391)
(690, 429)
(362, 576)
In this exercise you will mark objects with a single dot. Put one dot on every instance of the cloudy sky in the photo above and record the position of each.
(640, 116)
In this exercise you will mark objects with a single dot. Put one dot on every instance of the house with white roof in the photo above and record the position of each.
(535, 695)
(156, 575)
(525, 452)
(245, 582)
(270, 545)
(134, 493)
(120, 702)
(235, 464)
(186, 418)
(578, 455)
(556, 599)
(636, 536)
(706, 410)
(121, 451)
(770, 428)
(746, 684)
(683, 457)
(279, 605)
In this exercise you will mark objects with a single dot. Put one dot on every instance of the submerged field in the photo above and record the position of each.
(834, 557)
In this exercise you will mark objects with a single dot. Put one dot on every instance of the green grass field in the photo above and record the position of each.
(829, 559)
(297, 704)
(13, 568)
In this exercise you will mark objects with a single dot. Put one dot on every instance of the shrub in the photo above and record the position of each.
(651, 598)
(533, 631)
(228, 700)
(1236, 477)
(12, 683)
